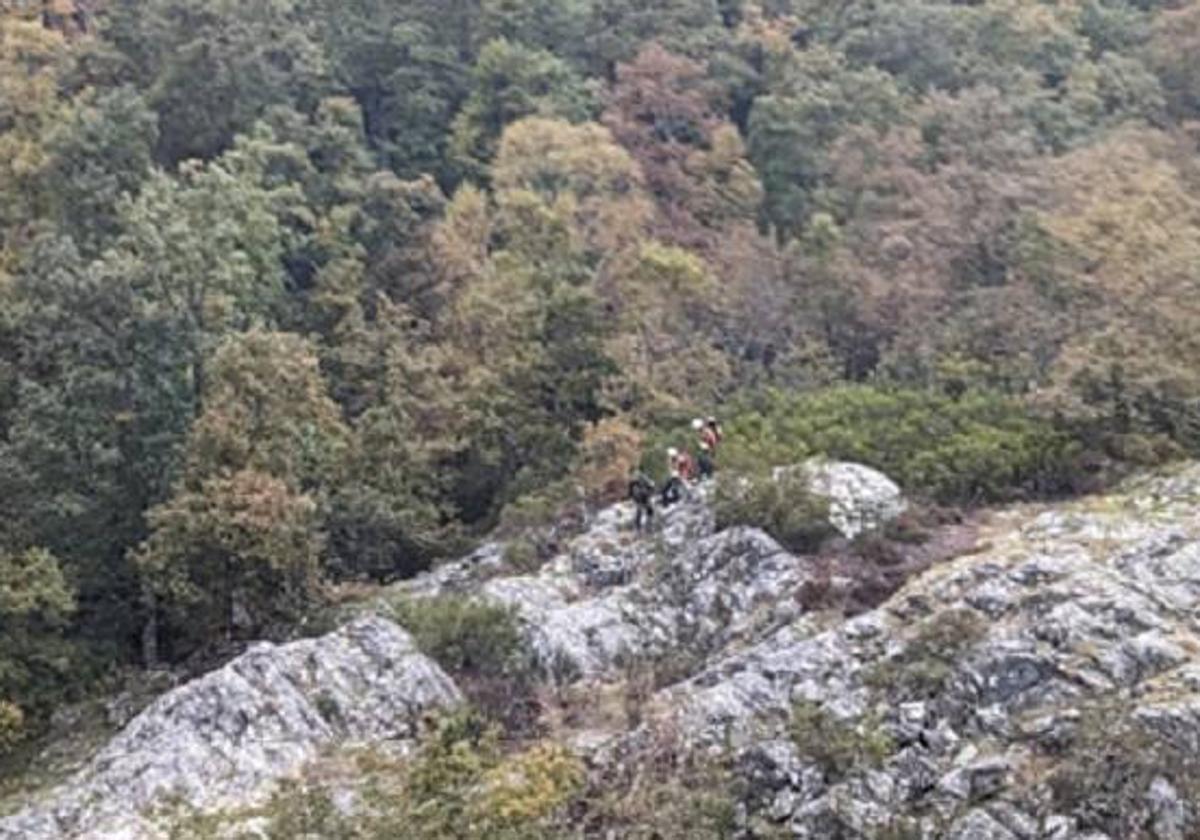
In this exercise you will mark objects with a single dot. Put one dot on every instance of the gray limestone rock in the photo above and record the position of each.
(222, 738)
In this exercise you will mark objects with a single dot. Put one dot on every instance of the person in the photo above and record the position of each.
(677, 466)
(684, 466)
(641, 489)
(716, 434)
(707, 444)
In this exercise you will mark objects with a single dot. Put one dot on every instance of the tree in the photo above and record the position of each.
(230, 557)
(580, 172)
(238, 545)
(97, 156)
(1176, 36)
(403, 64)
(511, 81)
(931, 214)
(31, 60)
(666, 113)
(666, 303)
(209, 67)
(819, 97)
(1127, 231)
(618, 28)
(559, 26)
(112, 363)
(36, 604)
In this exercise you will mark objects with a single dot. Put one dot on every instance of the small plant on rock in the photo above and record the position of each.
(923, 669)
(1105, 775)
(839, 748)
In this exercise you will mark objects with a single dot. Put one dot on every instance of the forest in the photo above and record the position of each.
(295, 293)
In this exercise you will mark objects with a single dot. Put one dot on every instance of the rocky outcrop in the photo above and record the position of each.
(1072, 636)
(1042, 685)
(613, 597)
(223, 737)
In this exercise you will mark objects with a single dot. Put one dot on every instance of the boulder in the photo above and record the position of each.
(221, 738)
(860, 499)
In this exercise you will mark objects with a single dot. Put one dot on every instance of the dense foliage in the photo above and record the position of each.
(303, 289)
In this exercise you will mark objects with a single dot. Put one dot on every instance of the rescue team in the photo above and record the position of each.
(682, 470)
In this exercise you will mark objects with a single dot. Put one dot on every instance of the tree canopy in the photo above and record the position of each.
(301, 291)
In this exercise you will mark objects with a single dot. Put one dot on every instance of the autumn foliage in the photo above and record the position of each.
(301, 291)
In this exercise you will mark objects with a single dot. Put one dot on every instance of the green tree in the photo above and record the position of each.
(238, 545)
(403, 64)
(209, 68)
(819, 97)
(36, 604)
(99, 155)
(511, 81)
(112, 364)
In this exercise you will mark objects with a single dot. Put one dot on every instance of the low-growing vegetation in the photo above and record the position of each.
(838, 747)
(462, 784)
(977, 447)
(922, 670)
(1104, 775)
(779, 504)
(480, 645)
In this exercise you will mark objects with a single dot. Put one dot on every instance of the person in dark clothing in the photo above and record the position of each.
(672, 491)
(679, 469)
(641, 491)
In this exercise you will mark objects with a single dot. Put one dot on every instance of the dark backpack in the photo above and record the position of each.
(640, 489)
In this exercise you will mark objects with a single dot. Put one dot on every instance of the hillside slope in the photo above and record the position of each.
(1044, 685)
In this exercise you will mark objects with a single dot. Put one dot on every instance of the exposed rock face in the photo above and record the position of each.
(983, 672)
(1045, 686)
(220, 738)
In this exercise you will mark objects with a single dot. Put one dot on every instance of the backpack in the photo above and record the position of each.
(640, 489)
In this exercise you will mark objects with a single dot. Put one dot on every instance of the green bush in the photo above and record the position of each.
(12, 727)
(1103, 775)
(465, 635)
(980, 447)
(780, 505)
(922, 670)
(837, 747)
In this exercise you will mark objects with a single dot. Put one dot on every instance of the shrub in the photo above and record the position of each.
(664, 792)
(980, 447)
(12, 727)
(528, 789)
(522, 556)
(459, 785)
(1103, 776)
(782, 506)
(464, 635)
(837, 747)
(481, 645)
(922, 670)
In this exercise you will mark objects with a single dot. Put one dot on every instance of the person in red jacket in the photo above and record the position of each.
(681, 469)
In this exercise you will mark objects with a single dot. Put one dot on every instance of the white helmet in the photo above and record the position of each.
(672, 452)
(697, 424)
